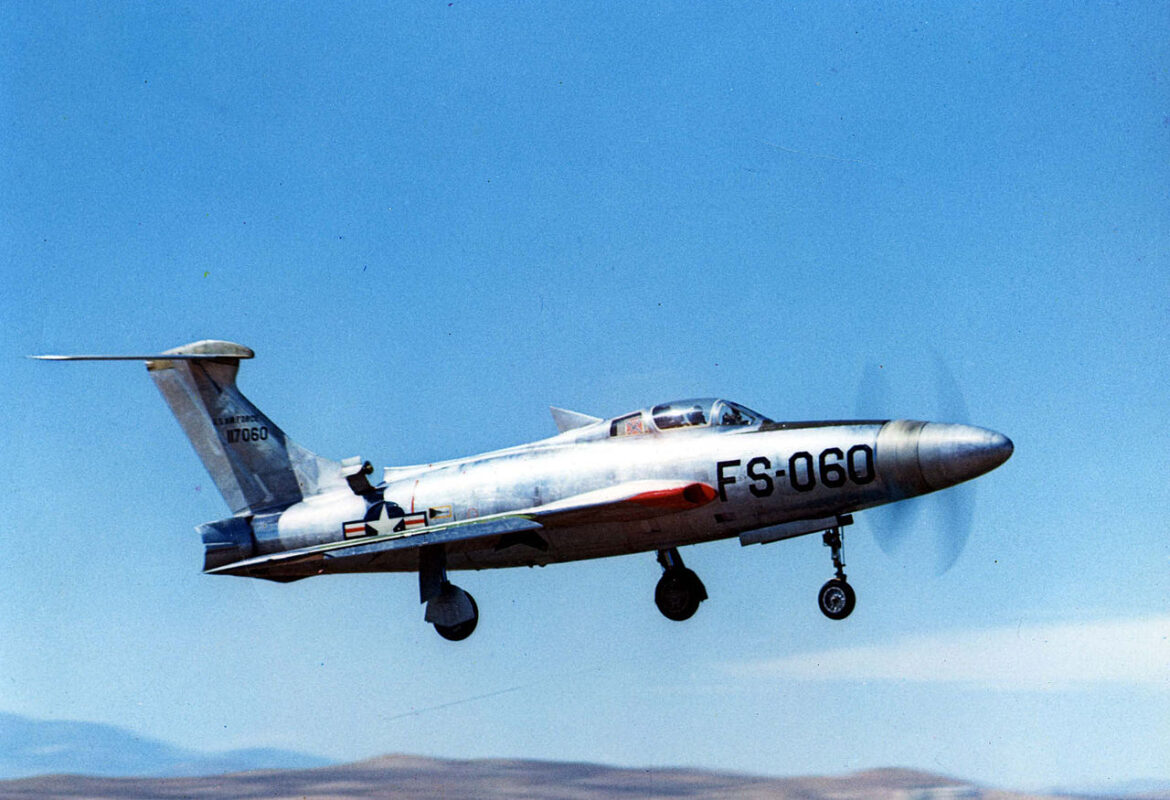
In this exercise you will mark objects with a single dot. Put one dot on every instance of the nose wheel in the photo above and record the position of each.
(679, 590)
(836, 597)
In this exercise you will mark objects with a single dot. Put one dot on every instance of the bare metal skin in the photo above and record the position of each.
(653, 480)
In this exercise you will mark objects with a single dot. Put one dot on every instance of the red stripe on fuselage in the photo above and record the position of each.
(692, 496)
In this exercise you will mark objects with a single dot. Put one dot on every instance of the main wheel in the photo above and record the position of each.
(678, 594)
(836, 599)
(460, 630)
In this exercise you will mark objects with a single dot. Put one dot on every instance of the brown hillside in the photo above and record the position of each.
(409, 777)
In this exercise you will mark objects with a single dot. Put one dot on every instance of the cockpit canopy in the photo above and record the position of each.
(698, 413)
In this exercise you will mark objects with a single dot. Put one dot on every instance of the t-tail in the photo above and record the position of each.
(256, 467)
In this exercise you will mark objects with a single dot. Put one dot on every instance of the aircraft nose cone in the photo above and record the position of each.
(950, 453)
(919, 457)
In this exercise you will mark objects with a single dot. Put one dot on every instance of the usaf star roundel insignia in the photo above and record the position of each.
(383, 518)
(380, 518)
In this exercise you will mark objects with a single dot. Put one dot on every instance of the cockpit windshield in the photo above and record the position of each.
(703, 412)
(731, 414)
(681, 414)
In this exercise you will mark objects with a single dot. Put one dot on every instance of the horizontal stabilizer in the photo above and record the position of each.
(208, 348)
(156, 357)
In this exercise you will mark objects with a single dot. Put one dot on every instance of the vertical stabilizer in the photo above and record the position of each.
(254, 464)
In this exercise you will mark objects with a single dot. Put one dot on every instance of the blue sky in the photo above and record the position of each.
(431, 221)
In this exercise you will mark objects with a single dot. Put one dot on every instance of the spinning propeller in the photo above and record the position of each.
(950, 510)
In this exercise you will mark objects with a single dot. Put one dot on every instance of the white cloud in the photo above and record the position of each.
(1027, 657)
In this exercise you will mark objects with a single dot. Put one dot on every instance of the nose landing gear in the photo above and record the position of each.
(679, 590)
(836, 597)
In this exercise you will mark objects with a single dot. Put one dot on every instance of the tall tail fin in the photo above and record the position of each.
(253, 463)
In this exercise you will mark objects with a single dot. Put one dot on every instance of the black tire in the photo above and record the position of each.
(836, 599)
(678, 594)
(461, 630)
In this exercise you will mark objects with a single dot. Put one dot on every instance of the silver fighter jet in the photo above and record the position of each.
(653, 480)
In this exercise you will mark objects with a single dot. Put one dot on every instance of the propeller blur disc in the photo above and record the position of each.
(950, 512)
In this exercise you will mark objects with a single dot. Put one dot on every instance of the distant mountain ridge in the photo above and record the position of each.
(42, 747)
(415, 778)
(58, 759)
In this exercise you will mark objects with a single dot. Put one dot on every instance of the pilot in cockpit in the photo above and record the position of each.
(732, 416)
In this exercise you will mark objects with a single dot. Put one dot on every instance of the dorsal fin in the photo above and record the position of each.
(568, 420)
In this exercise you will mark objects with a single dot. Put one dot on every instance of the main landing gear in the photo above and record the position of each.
(836, 597)
(463, 607)
(679, 590)
(451, 610)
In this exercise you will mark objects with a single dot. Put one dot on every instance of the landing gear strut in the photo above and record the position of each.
(451, 610)
(679, 590)
(836, 597)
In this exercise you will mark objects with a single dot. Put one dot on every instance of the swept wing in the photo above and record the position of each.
(625, 502)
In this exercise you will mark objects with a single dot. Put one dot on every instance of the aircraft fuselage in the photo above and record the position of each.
(657, 479)
(763, 476)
